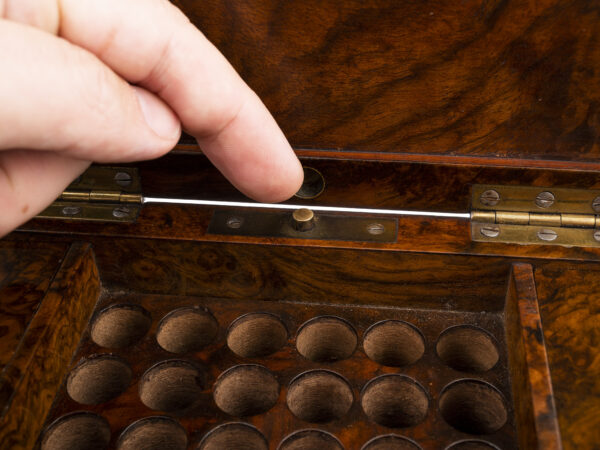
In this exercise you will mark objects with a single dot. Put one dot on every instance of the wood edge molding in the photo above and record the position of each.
(535, 411)
(428, 158)
(47, 347)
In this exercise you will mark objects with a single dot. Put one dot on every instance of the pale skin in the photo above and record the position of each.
(115, 81)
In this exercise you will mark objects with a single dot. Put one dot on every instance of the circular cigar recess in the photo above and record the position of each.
(472, 445)
(310, 440)
(473, 406)
(246, 390)
(171, 385)
(256, 334)
(394, 343)
(395, 401)
(468, 349)
(98, 379)
(313, 184)
(77, 431)
(326, 338)
(120, 326)
(153, 433)
(187, 330)
(319, 396)
(390, 442)
(234, 436)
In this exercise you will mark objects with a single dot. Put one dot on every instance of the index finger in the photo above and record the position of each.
(151, 43)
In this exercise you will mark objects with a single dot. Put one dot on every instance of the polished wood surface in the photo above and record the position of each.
(501, 79)
(305, 274)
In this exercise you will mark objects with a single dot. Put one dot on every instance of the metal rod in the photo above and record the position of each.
(389, 212)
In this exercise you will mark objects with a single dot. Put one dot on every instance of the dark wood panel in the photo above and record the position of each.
(302, 274)
(375, 184)
(503, 78)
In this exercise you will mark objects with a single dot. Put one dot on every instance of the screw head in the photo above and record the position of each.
(544, 199)
(375, 229)
(596, 204)
(120, 212)
(547, 235)
(123, 179)
(597, 235)
(234, 222)
(489, 198)
(71, 210)
(490, 231)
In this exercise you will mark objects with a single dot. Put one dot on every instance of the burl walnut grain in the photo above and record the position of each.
(487, 78)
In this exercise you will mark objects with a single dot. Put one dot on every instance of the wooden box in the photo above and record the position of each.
(185, 326)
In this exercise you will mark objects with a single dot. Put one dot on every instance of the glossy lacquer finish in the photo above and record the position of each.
(500, 79)
(164, 333)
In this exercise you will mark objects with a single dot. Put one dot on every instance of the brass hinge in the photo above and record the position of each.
(531, 215)
(106, 194)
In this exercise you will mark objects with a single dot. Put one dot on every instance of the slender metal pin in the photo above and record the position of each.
(342, 209)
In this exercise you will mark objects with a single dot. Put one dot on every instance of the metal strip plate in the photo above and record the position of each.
(92, 212)
(126, 179)
(531, 234)
(523, 198)
(279, 224)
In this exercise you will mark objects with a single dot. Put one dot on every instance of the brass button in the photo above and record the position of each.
(303, 219)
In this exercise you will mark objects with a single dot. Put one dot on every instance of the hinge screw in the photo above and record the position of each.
(547, 235)
(375, 228)
(121, 212)
(544, 199)
(234, 222)
(597, 235)
(490, 198)
(71, 210)
(490, 231)
(123, 179)
(596, 204)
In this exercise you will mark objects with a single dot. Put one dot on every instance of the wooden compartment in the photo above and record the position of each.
(247, 346)
(162, 333)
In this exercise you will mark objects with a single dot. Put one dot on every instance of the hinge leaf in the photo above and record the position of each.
(535, 215)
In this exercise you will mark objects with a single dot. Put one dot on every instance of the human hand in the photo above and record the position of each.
(114, 81)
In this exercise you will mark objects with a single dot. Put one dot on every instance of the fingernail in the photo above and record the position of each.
(159, 117)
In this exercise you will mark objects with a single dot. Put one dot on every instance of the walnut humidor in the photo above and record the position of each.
(126, 324)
